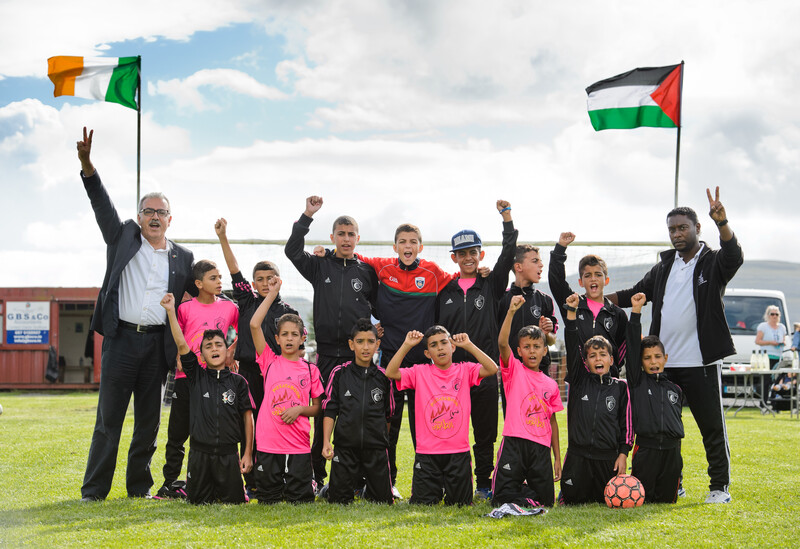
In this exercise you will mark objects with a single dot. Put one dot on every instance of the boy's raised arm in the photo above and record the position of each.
(168, 302)
(393, 368)
(556, 273)
(294, 249)
(505, 330)
(488, 366)
(505, 262)
(575, 366)
(221, 228)
(259, 341)
(633, 370)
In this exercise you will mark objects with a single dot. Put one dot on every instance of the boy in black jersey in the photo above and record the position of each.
(596, 315)
(359, 400)
(220, 411)
(598, 417)
(656, 403)
(344, 291)
(248, 297)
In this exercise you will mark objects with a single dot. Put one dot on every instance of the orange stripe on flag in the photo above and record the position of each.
(62, 70)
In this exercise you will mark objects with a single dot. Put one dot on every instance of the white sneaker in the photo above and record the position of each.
(718, 496)
(396, 493)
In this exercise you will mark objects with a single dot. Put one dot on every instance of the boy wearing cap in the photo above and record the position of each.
(469, 304)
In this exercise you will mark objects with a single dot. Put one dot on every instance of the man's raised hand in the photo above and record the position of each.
(85, 151)
(715, 208)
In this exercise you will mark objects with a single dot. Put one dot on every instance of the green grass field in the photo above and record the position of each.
(45, 439)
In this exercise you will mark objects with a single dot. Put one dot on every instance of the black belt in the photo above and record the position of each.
(140, 328)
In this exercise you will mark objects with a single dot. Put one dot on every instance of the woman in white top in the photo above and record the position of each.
(770, 334)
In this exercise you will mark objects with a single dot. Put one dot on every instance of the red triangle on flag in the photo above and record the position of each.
(668, 95)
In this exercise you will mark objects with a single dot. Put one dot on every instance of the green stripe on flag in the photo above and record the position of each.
(124, 82)
(630, 117)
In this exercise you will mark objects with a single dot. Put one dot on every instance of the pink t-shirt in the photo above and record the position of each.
(442, 405)
(594, 306)
(287, 384)
(466, 283)
(531, 398)
(194, 318)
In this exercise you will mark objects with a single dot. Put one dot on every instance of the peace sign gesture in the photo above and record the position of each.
(715, 208)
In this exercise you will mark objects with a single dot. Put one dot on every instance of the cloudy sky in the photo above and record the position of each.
(396, 111)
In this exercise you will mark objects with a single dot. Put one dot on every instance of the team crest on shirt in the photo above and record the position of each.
(608, 323)
(303, 382)
(479, 302)
(456, 385)
(673, 397)
(443, 416)
(533, 411)
(536, 311)
(357, 284)
(377, 395)
(419, 282)
(228, 397)
(611, 403)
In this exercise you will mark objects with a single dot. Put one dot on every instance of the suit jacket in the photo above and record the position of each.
(123, 239)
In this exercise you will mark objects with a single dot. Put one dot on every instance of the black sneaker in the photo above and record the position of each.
(89, 499)
(176, 490)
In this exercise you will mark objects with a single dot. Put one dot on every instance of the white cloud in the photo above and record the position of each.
(186, 92)
(84, 27)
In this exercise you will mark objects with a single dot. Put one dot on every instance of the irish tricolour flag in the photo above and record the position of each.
(642, 97)
(113, 79)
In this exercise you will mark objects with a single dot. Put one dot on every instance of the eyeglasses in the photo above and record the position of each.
(149, 212)
(774, 314)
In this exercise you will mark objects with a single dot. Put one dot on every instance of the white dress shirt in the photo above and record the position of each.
(143, 284)
(679, 315)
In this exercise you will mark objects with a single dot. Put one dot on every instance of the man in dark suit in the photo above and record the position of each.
(138, 349)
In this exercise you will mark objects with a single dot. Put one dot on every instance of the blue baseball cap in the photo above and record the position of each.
(465, 239)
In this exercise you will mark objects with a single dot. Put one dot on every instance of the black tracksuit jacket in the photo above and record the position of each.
(476, 312)
(217, 401)
(248, 301)
(610, 322)
(361, 402)
(344, 291)
(598, 409)
(655, 400)
(712, 272)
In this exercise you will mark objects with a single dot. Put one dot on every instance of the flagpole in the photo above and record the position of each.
(678, 144)
(139, 136)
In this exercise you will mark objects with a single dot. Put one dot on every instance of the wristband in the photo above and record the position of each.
(571, 309)
(507, 208)
(722, 223)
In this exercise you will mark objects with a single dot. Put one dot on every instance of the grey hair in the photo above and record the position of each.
(771, 308)
(154, 195)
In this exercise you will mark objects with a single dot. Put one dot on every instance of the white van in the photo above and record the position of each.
(744, 311)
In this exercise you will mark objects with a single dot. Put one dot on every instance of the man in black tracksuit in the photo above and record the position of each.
(359, 400)
(656, 403)
(686, 289)
(600, 434)
(610, 321)
(220, 418)
(344, 291)
(475, 313)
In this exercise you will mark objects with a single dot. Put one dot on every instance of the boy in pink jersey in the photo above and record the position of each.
(442, 399)
(283, 459)
(524, 473)
(204, 312)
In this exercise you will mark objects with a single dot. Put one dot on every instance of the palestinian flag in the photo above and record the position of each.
(642, 97)
(113, 79)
